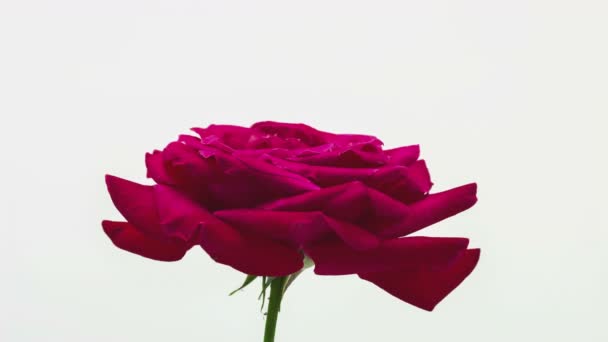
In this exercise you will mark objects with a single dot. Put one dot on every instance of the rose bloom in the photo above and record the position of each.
(263, 198)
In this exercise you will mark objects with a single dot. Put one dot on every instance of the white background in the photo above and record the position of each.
(511, 94)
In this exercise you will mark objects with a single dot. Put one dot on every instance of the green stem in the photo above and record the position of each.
(274, 305)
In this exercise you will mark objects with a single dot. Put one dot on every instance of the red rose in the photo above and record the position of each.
(258, 199)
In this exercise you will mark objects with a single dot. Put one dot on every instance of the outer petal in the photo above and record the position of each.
(248, 253)
(156, 168)
(179, 216)
(136, 203)
(189, 172)
(179, 223)
(335, 258)
(419, 174)
(126, 236)
(352, 202)
(426, 288)
(406, 184)
(296, 228)
(433, 209)
(405, 155)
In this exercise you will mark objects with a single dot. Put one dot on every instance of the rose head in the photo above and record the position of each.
(259, 199)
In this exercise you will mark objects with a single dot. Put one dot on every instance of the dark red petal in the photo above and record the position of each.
(212, 142)
(352, 235)
(348, 155)
(277, 179)
(434, 208)
(185, 165)
(405, 184)
(352, 202)
(179, 216)
(301, 132)
(234, 136)
(296, 228)
(419, 174)
(346, 159)
(367, 142)
(333, 257)
(156, 168)
(426, 288)
(257, 153)
(405, 155)
(136, 203)
(323, 176)
(126, 236)
(190, 173)
(221, 180)
(248, 253)
(200, 170)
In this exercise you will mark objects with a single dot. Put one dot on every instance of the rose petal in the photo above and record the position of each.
(234, 136)
(296, 228)
(136, 203)
(332, 257)
(351, 202)
(275, 152)
(324, 176)
(351, 155)
(301, 132)
(156, 168)
(404, 155)
(190, 173)
(125, 236)
(179, 216)
(370, 142)
(277, 179)
(426, 288)
(419, 174)
(212, 142)
(220, 180)
(432, 209)
(405, 184)
(248, 253)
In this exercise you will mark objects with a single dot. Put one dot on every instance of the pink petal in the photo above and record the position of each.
(332, 257)
(425, 288)
(248, 253)
(296, 228)
(126, 236)
(432, 209)
(136, 203)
